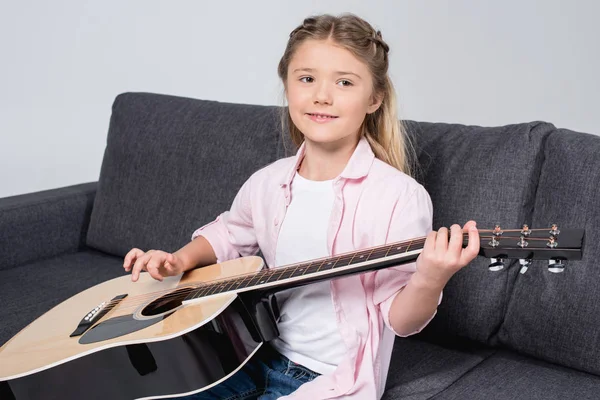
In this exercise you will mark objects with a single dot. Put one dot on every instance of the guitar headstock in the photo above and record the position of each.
(526, 244)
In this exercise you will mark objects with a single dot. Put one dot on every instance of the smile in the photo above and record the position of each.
(321, 117)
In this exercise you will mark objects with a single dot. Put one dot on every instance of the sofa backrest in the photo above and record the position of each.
(173, 164)
(555, 316)
(488, 175)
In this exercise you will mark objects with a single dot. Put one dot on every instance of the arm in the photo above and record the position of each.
(229, 236)
(197, 253)
(415, 305)
(411, 218)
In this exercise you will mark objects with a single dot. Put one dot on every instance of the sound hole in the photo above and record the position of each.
(166, 303)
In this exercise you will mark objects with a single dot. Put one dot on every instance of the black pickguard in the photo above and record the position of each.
(115, 327)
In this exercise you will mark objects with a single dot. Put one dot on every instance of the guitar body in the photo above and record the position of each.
(147, 346)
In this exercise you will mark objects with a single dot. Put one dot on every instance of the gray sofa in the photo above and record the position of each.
(172, 164)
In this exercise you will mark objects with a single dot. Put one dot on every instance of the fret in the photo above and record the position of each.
(298, 271)
(335, 265)
(212, 289)
(264, 277)
(388, 250)
(279, 271)
(312, 268)
(229, 285)
(287, 272)
(238, 282)
(321, 265)
(193, 294)
(358, 258)
(254, 280)
(271, 274)
(203, 291)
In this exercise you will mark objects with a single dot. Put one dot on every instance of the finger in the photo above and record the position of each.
(472, 249)
(429, 246)
(155, 264)
(131, 257)
(154, 272)
(468, 225)
(441, 243)
(170, 265)
(139, 266)
(456, 239)
(174, 265)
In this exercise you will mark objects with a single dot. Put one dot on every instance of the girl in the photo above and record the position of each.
(346, 189)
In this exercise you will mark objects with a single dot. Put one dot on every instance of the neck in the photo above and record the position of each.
(325, 161)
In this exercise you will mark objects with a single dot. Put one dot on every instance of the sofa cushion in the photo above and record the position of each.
(509, 376)
(419, 370)
(488, 175)
(173, 164)
(51, 281)
(555, 316)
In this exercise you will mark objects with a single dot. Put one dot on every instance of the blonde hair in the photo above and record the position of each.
(382, 129)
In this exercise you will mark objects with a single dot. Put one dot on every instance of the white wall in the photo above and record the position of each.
(473, 62)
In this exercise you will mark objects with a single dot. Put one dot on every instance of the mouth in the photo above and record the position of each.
(321, 116)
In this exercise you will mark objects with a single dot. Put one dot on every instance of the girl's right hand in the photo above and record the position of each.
(158, 263)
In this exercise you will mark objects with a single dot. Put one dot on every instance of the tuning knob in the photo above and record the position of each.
(525, 263)
(556, 266)
(496, 265)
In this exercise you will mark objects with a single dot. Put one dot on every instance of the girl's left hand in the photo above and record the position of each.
(440, 258)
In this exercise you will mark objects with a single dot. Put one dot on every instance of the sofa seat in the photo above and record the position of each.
(422, 370)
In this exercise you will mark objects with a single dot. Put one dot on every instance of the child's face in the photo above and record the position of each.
(327, 79)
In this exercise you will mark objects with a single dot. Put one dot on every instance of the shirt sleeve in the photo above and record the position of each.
(232, 234)
(410, 219)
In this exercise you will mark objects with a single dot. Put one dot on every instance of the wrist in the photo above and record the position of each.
(424, 282)
(184, 260)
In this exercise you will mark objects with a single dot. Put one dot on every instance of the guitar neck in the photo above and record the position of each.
(295, 275)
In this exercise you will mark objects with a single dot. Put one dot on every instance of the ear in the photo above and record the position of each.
(375, 103)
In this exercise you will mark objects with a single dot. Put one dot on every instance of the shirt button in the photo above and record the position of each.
(276, 222)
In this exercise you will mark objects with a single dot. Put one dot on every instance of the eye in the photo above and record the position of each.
(345, 82)
(306, 79)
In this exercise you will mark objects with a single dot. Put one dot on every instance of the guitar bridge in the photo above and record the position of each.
(95, 314)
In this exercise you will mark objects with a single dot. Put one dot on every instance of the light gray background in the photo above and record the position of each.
(473, 62)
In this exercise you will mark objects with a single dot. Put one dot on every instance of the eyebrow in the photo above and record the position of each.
(336, 72)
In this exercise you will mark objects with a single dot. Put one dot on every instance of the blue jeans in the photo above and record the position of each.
(268, 375)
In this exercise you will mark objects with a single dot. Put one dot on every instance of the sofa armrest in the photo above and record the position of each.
(44, 224)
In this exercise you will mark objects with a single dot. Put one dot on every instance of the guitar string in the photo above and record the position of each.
(136, 301)
(172, 292)
(266, 273)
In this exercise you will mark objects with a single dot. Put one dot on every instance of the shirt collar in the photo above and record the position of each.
(357, 167)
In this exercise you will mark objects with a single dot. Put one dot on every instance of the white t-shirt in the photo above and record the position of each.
(308, 329)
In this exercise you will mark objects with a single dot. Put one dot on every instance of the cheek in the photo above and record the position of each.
(295, 96)
(356, 111)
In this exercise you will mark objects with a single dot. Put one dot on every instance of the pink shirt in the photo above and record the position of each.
(374, 204)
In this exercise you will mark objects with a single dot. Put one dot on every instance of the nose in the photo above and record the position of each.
(322, 93)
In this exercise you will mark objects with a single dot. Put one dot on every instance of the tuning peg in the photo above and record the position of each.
(554, 231)
(556, 266)
(552, 243)
(496, 265)
(525, 263)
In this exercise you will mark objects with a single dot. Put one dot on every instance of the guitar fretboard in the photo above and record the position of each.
(307, 269)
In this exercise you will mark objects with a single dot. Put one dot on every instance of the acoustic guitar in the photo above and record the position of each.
(150, 339)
